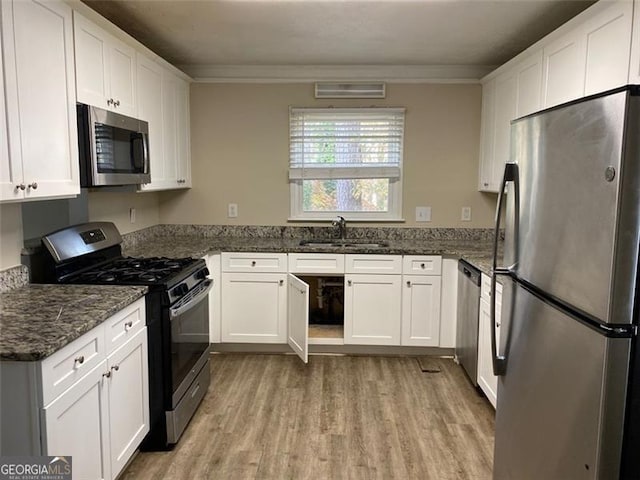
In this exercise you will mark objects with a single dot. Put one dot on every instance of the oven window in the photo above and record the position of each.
(189, 340)
(118, 150)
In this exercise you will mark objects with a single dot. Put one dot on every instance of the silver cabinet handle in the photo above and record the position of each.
(349, 282)
(21, 186)
(281, 282)
(110, 101)
(117, 103)
(423, 266)
(128, 325)
(33, 185)
(79, 360)
(107, 375)
(408, 283)
(253, 263)
(115, 367)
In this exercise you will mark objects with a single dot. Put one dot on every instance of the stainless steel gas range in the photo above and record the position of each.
(177, 315)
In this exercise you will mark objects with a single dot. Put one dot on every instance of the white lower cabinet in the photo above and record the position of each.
(372, 309)
(254, 307)
(101, 418)
(298, 316)
(215, 296)
(128, 400)
(77, 424)
(421, 310)
(487, 381)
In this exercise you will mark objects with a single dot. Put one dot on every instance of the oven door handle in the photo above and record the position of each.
(195, 298)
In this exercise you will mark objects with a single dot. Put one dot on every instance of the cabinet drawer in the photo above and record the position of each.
(65, 367)
(319, 263)
(254, 262)
(485, 288)
(422, 265)
(124, 325)
(378, 264)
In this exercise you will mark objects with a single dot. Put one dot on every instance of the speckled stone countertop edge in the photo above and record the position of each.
(14, 277)
(476, 252)
(28, 336)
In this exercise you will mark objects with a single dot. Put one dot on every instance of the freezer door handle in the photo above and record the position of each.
(510, 175)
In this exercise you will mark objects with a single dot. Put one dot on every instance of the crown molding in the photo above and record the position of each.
(313, 73)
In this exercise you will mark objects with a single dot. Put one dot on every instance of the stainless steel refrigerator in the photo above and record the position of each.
(568, 363)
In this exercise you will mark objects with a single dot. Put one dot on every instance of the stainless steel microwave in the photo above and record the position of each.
(113, 148)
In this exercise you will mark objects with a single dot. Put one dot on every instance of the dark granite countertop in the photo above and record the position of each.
(477, 252)
(38, 320)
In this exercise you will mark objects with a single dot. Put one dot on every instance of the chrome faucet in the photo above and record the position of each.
(341, 223)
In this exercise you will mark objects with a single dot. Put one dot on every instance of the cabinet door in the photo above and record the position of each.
(150, 102)
(10, 166)
(183, 133)
(122, 77)
(372, 309)
(77, 424)
(169, 126)
(254, 309)
(529, 81)
(421, 310)
(563, 69)
(41, 106)
(128, 399)
(608, 46)
(487, 381)
(298, 316)
(506, 96)
(487, 136)
(213, 264)
(91, 63)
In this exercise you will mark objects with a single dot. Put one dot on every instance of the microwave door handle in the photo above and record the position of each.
(145, 153)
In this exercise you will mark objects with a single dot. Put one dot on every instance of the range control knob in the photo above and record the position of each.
(180, 290)
(201, 274)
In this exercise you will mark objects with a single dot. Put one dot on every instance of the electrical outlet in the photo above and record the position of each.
(232, 210)
(423, 214)
(132, 215)
(466, 214)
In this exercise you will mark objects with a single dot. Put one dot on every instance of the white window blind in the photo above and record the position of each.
(340, 143)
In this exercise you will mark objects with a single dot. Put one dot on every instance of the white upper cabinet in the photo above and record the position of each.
(150, 110)
(105, 69)
(564, 64)
(590, 58)
(608, 46)
(164, 101)
(528, 75)
(512, 94)
(588, 55)
(39, 141)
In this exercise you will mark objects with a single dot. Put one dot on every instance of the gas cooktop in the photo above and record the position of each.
(138, 271)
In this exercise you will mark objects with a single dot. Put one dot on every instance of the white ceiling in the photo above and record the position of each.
(333, 32)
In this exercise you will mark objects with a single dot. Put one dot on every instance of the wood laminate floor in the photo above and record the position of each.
(272, 417)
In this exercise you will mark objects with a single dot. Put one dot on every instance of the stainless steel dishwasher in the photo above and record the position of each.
(467, 328)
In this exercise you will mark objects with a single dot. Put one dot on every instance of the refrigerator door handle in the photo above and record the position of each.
(510, 175)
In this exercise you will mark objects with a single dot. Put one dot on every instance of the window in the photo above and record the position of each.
(346, 162)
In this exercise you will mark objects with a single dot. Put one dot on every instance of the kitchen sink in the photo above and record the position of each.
(343, 244)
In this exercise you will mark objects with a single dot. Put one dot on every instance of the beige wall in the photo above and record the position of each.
(114, 207)
(239, 143)
(10, 235)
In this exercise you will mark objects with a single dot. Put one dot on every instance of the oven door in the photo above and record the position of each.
(189, 318)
